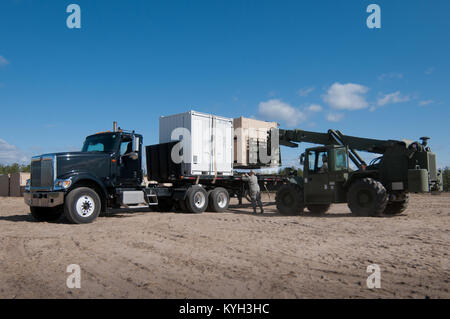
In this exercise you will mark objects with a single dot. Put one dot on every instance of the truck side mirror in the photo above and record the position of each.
(133, 155)
(302, 159)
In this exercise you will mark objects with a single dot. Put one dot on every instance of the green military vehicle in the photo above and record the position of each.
(378, 188)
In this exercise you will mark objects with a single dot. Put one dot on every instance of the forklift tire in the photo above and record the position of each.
(289, 199)
(46, 214)
(219, 199)
(395, 208)
(82, 205)
(196, 199)
(367, 197)
(318, 209)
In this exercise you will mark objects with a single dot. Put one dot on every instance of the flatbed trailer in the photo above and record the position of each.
(173, 192)
(219, 187)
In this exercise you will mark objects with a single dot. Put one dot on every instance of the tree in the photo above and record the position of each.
(14, 168)
(290, 170)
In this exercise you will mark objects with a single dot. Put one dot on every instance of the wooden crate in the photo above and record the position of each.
(4, 185)
(248, 133)
(17, 183)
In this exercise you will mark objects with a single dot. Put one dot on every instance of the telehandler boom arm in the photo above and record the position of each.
(334, 137)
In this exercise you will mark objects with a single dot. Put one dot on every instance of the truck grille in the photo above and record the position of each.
(42, 173)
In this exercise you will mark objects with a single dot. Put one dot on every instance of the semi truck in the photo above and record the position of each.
(108, 174)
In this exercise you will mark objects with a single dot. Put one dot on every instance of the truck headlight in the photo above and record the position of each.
(27, 185)
(62, 184)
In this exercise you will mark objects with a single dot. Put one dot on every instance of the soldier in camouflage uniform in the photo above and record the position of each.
(255, 191)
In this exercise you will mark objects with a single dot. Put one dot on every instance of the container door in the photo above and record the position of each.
(201, 144)
(222, 146)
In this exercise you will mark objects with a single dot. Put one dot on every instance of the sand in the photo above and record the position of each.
(229, 255)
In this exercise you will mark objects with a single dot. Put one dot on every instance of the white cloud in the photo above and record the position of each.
(391, 98)
(425, 102)
(305, 91)
(10, 154)
(429, 70)
(275, 109)
(3, 61)
(390, 75)
(334, 117)
(314, 108)
(349, 96)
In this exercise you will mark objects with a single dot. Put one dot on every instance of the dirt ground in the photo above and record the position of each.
(229, 255)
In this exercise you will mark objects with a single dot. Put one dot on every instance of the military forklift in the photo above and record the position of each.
(375, 189)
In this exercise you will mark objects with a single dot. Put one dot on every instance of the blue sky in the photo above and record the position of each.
(309, 64)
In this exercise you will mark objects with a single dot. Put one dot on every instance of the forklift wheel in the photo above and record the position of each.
(395, 208)
(367, 197)
(289, 199)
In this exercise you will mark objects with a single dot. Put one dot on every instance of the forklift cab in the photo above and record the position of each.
(325, 171)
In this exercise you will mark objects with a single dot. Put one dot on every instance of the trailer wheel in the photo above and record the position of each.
(196, 199)
(367, 197)
(318, 209)
(82, 205)
(289, 199)
(46, 214)
(395, 208)
(219, 199)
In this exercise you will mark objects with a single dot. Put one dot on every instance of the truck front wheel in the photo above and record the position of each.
(82, 205)
(46, 214)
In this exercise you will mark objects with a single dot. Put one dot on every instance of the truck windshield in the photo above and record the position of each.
(100, 143)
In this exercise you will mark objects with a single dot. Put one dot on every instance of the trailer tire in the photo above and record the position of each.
(289, 199)
(367, 197)
(219, 199)
(395, 208)
(318, 209)
(46, 214)
(196, 199)
(82, 205)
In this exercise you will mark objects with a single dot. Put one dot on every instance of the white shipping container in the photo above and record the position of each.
(207, 141)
